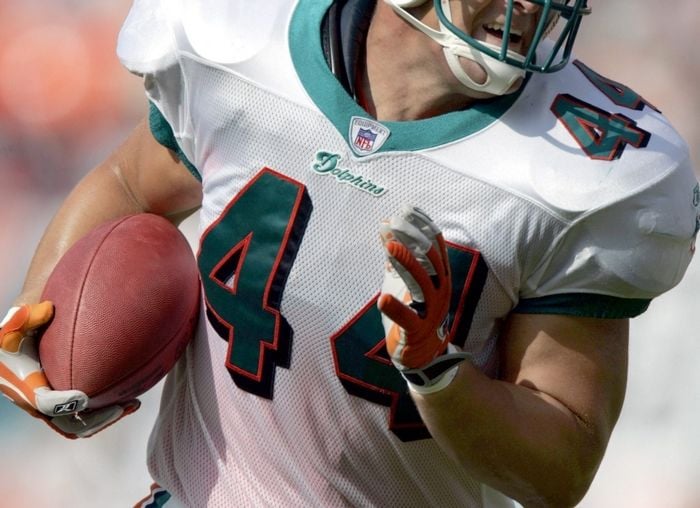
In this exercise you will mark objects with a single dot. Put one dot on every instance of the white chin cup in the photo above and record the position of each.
(500, 76)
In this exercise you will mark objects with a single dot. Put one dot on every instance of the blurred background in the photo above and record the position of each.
(65, 102)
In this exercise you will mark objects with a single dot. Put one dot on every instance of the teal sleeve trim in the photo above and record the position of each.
(164, 135)
(584, 305)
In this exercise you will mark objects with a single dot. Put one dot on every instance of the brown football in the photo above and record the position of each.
(126, 299)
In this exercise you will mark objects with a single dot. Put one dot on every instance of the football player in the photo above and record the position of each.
(424, 228)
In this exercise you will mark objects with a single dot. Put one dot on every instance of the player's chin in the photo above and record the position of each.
(474, 70)
(477, 74)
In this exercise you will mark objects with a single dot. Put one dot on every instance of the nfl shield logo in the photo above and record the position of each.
(365, 140)
(366, 136)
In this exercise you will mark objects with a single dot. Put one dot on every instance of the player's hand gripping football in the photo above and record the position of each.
(415, 301)
(24, 383)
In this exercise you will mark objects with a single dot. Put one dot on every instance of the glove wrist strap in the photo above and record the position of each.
(435, 376)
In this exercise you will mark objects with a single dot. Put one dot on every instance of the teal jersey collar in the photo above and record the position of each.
(305, 42)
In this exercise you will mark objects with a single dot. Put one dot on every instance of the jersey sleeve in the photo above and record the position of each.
(145, 44)
(147, 47)
(614, 260)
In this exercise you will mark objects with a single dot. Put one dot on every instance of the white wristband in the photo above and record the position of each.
(442, 382)
(438, 374)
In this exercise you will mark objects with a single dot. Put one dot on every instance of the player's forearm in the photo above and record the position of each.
(521, 442)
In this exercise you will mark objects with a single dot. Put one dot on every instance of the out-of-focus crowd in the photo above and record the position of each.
(65, 102)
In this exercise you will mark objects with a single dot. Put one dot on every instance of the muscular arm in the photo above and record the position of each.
(139, 176)
(539, 433)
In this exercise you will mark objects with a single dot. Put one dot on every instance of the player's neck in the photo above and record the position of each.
(405, 76)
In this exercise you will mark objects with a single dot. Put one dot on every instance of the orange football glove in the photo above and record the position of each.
(24, 383)
(415, 301)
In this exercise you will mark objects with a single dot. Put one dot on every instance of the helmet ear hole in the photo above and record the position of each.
(408, 3)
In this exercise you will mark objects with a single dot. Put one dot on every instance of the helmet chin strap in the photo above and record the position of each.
(500, 76)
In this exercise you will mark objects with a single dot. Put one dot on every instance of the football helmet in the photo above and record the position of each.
(503, 66)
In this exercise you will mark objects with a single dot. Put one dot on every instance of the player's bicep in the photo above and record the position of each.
(152, 175)
(578, 364)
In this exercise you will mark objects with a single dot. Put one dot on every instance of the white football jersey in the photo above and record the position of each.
(573, 196)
